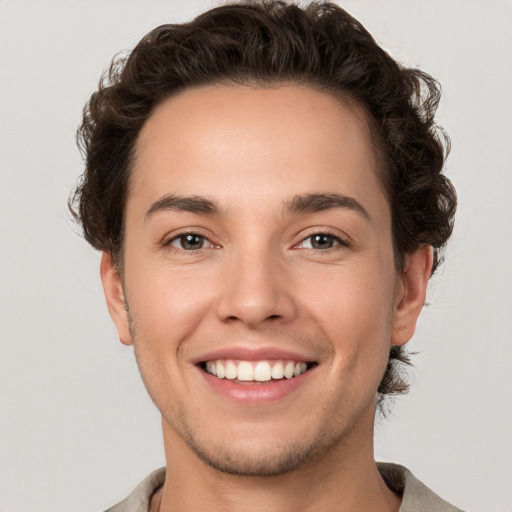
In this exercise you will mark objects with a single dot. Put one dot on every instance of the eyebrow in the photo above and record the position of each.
(192, 204)
(307, 203)
(310, 203)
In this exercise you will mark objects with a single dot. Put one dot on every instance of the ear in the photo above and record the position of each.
(114, 294)
(411, 294)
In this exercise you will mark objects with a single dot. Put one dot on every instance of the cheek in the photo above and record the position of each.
(356, 296)
(167, 305)
(353, 308)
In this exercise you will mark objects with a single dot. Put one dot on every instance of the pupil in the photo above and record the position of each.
(191, 242)
(322, 241)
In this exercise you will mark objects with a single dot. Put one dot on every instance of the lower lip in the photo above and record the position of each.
(255, 393)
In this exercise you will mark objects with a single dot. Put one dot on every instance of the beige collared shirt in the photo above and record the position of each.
(416, 497)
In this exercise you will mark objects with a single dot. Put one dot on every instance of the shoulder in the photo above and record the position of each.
(416, 496)
(139, 499)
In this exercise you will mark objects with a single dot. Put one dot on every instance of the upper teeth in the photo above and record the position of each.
(260, 371)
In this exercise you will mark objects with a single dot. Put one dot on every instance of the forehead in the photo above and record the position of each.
(237, 142)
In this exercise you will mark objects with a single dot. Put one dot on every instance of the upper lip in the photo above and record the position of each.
(252, 354)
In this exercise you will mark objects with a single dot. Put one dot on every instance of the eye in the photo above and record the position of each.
(190, 242)
(321, 241)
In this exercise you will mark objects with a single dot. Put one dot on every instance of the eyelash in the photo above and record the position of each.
(340, 242)
(168, 243)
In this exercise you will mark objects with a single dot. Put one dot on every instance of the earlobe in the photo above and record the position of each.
(411, 294)
(114, 295)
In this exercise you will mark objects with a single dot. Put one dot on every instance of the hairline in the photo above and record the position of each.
(344, 97)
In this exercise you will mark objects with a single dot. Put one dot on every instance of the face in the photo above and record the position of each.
(259, 275)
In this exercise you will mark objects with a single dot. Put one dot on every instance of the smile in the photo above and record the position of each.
(255, 377)
(255, 371)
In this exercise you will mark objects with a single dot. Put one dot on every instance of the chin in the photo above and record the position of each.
(262, 457)
(243, 463)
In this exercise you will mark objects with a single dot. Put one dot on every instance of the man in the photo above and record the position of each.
(265, 186)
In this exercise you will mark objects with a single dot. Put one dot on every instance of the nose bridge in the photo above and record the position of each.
(255, 289)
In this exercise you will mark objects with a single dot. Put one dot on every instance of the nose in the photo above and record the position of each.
(256, 291)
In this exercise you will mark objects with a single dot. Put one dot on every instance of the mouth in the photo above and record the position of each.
(256, 371)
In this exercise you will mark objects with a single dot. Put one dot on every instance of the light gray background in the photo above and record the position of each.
(77, 431)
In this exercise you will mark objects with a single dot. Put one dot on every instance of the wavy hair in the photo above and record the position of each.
(265, 43)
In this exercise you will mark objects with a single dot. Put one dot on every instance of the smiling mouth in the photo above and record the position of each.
(255, 371)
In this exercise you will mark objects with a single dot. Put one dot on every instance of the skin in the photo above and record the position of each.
(257, 281)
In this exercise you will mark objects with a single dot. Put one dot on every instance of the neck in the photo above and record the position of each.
(344, 479)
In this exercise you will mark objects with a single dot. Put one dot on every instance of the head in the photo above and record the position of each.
(271, 50)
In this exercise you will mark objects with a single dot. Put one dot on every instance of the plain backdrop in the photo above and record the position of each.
(77, 431)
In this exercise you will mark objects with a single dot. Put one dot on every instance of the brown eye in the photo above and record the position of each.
(189, 242)
(320, 241)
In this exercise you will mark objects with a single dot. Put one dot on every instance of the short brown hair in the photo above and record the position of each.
(262, 43)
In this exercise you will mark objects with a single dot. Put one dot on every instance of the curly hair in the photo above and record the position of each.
(264, 43)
